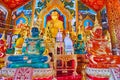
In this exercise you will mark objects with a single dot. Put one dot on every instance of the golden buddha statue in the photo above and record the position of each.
(73, 34)
(55, 24)
(20, 41)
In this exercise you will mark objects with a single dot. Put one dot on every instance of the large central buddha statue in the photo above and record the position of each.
(54, 24)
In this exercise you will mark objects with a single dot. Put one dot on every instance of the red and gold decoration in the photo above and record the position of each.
(13, 4)
(47, 44)
(96, 5)
(113, 12)
(23, 73)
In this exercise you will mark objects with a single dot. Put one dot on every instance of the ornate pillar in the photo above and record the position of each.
(113, 13)
(9, 18)
(77, 16)
(33, 12)
(99, 18)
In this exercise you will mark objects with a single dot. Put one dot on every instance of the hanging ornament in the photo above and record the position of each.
(96, 5)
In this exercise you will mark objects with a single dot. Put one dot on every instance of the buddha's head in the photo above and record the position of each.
(34, 32)
(54, 15)
(79, 36)
(97, 32)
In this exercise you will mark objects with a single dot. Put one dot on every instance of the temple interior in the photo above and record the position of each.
(59, 39)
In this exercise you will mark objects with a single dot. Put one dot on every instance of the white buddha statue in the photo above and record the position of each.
(68, 44)
(59, 37)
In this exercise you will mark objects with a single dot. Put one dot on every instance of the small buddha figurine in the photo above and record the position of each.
(59, 39)
(55, 24)
(73, 34)
(79, 45)
(68, 45)
(59, 36)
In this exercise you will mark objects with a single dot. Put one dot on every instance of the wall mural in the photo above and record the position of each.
(3, 16)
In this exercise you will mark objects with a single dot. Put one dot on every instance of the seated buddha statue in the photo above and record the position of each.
(99, 49)
(98, 44)
(32, 44)
(54, 24)
(20, 41)
(32, 53)
(79, 45)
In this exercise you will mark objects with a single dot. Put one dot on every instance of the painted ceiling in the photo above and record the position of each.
(13, 4)
(96, 5)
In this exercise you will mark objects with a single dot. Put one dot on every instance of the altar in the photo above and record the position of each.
(59, 39)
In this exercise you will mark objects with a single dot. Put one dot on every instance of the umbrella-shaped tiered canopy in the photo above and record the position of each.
(96, 5)
(13, 4)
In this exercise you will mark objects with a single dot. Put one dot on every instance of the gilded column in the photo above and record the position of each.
(77, 16)
(33, 12)
(99, 18)
(113, 13)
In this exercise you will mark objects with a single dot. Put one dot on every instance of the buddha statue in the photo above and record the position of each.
(98, 44)
(59, 43)
(20, 41)
(73, 34)
(99, 49)
(68, 45)
(59, 37)
(32, 53)
(79, 45)
(54, 24)
(32, 44)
